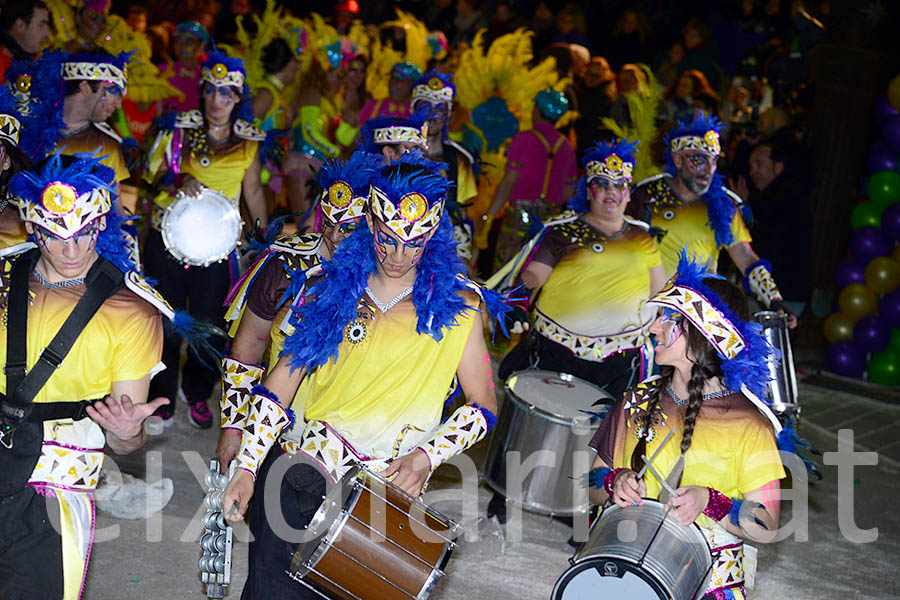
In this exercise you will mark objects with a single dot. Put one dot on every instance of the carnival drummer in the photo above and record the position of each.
(260, 301)
(216, 148)
(366, 376)
(12, 161)
(80, 266)
(693, 210)
(722, 458)
(592, 270)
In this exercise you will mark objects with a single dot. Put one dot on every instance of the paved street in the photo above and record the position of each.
(826, 567)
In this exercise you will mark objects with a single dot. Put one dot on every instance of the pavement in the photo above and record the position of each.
(157, 558)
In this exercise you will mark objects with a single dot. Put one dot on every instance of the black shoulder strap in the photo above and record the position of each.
(102, 281)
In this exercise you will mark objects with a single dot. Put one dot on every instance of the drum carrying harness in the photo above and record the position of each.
(21, 421)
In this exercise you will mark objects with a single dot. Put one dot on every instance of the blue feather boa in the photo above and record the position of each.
(750, 366)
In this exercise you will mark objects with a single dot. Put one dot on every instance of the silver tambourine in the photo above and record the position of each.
(203, 229)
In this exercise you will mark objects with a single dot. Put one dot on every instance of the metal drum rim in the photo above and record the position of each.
(583, 565)
(169, 243)
(540, 412)
(535, 507)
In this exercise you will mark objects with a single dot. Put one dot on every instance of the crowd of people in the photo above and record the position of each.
(397, 181)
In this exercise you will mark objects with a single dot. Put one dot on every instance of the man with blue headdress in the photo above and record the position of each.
(693, 210)
(213, 148)
(81, 337)
(435, 91)
(260, 301)
(380, 335)
(540, 177)
(92, 88)
(391, 137)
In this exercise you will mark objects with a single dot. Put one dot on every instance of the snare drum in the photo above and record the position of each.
(781, 393)
(374, 542)
(640, 554)
(200, 230)
(550, 411)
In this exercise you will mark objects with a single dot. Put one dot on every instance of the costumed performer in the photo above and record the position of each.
(215, 147)
(261, 299)
(12, 161)
(436, 91)
(185, 72)
(693, 210)
(540, 177)
(53, 430)
(354, 370)
(390, 138)
(402, 76)
(723, 456)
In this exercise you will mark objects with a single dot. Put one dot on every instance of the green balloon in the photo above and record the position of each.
(884, 367)
(866, 215)
(894, 344)
(884, 188)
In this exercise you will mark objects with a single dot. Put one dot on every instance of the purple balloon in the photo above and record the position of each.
(889, 308)
(849, 271)
(867, 243)
(891, 132)
(884, 110)
(882, 159)
(890, 223)
(872, 334)
(843, 358)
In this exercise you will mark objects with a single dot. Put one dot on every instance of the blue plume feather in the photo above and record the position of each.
(579, 202)
(789, 441)
(601, 150)
(199, 335)
(356, 172)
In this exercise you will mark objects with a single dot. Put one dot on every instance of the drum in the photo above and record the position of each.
(374, 542)
(782, 390)
(200, 230)
(640, 554)
(546, 410)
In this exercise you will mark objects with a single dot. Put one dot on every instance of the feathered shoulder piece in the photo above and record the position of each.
(189, 119)
(248, 131)
(740, 344)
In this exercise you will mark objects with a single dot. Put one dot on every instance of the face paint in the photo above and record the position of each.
(671, 321)
(382, 242)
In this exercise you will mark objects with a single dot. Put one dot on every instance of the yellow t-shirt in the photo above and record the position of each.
(733, 448)
(122, 342)
(598, 285)
(385, 393)
(92, 139)
(12, 227)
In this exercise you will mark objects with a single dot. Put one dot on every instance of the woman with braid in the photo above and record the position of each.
(722, 458)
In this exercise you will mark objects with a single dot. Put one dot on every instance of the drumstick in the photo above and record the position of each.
(233, 511)
(647, 463)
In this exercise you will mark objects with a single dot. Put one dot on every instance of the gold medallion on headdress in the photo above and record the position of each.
(59, 198)
(339, 204)
(612, 168)
(412, 219)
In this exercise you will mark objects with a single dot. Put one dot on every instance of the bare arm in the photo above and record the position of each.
(122, 414)
(768, 510)
(536, 274)
(742, 255)
(475, 374)
(253, 193)
(283, 382)
(503, 192)
(262, 102)
(251, 339)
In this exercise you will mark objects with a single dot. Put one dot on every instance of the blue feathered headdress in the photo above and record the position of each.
(11, 129)
(345, 186)
(320, 322)
(740, 344)
(392, 130)
(38, 88)
(233, 67)
(720, 206)
(85, 173)
(600, 151)
(433, 86)
(597, 162)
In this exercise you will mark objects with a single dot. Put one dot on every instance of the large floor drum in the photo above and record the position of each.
(554, 412)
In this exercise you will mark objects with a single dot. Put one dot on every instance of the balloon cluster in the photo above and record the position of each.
(865, 333)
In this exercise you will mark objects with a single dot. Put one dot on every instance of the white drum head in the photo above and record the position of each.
(200, 230)
(557, 394)
(604, 579)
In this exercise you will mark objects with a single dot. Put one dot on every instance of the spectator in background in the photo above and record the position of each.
(779, 198)
(439, 15)
(708, 102)
(700, 52)
(90, 22)
(504, 20)
(24, 25)
(469, 19)
(679, 98)
(669, 67)
(597, 98)
(543, 23)
(628, 42)
(137, 18)
(570, 27)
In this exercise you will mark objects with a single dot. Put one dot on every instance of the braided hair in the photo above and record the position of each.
(707, 364)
